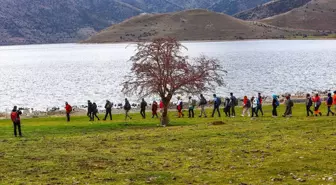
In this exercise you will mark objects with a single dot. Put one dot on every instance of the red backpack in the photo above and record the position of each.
(14, 116)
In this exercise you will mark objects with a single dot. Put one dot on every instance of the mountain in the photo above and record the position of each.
(231, 7)
(317, 15)
(270, 9)
(189, 25)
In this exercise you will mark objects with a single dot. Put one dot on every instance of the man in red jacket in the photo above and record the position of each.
(15, 116)
(68, 110)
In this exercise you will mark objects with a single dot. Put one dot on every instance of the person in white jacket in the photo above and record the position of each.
(254, 106)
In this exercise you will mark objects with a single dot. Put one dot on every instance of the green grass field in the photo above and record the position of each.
(297, 150)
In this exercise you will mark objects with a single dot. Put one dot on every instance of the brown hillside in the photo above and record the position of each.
(189, 25)
(317, 15)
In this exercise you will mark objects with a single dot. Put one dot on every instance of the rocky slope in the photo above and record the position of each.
(270, 9)
(56, 21)
(189, 25)
(317, 15)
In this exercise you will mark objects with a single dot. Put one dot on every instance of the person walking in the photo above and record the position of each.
(94, 111)
(317, 103)
(68, 110)
(179, 107)
(227, 107)
(275, 105)
(143, 106)
(191, 104)
(260, 101)
(334, 100)
(289, 106)
(254, 102)
(203, 102)
(154, 109)
(233, 103)
(108, 109)
(329, 104)
(309, 103)
(217, 103)
(246, 106)
(127, 108)
(90, 110)
(15, 117)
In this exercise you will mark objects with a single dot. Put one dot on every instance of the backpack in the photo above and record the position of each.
(181, 104)
(248, 104)
(203, 101)
(70, 108)
(329, 101)
(235, 101)
(14, 116)
(218, 101)
(109, 105)
(277, 103)
(127, 106)
(193, 103)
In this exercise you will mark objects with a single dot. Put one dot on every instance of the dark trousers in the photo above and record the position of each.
(329, 111)
(254, 112)
(214, 110)
(227, 111)
(191, 113)
(17, 126)
(90, 115)
(68, 117)
(94, 114)
(154, 113)
(259, 108)
(309, 111)
(108, 112)
(274, 111)
(233, 112)
(143, 113)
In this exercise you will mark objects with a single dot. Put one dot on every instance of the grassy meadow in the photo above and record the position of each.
(266, 150)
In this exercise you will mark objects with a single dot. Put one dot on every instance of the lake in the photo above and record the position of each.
(42, 76)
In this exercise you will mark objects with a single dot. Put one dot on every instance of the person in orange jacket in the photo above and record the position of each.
(329, 104)
(15, 117)
(68, 110)
(317, 103)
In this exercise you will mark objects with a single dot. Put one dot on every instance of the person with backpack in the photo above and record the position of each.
(179, 107)
(260, 101)
(90, 110)
(317, 103)
(127, 108)
(329, 104)
(192, 104)
(227, 106)
(94, 111)
(217, 103)
(275, 105)
(309, 103)
(203, 102)
(143, 106)
(246, 106)
(108, 109)
(68, 110)
(254, 102)
(289, 106)
(15, 117)
(234, 103)
(154, 109)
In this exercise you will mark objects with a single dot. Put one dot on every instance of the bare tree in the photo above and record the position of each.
(159, 68)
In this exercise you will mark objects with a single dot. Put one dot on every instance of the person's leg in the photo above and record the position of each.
(192, 113)
(275, 111)
(307, 110)
(253, 112)
(261, 110)
(219, 115)
(189, 113)
(213, 112)
(233, 111)
(106, 114)
(110, 112)
(248, 112)
(95, 114)
(19, 128)
(14, 126)
(68, 117)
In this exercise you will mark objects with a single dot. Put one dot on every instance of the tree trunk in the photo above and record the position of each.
(165, 118)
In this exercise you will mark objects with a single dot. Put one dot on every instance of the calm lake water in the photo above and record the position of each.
(42, 76)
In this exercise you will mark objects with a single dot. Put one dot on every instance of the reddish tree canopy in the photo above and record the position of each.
(159, 68)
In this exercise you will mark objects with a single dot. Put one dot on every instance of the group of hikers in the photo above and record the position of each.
(251, 107)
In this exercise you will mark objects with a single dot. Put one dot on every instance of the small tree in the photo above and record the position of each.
(159, 68)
